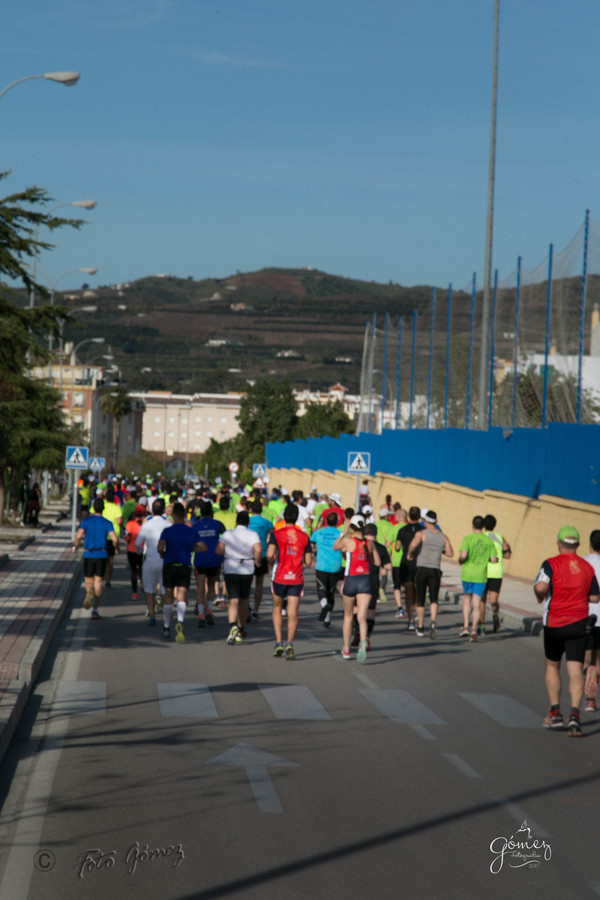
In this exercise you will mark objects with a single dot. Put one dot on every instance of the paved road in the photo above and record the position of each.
(252, 777)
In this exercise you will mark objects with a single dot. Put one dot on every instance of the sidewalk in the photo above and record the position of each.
(37, 582)
(519, 608)
(35, 587)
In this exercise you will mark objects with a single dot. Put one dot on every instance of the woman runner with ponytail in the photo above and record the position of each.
(356, 589)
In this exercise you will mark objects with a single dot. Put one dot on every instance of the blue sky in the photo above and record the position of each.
(347, 135)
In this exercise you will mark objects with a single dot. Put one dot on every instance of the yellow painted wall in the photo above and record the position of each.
(529, 526)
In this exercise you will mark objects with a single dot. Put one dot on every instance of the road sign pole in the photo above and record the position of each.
(356, 509)
(74, 506)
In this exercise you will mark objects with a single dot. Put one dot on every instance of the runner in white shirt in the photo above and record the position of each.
(147, 538)
(242, 550)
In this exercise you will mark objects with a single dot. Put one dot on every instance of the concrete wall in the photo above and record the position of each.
(529, 526)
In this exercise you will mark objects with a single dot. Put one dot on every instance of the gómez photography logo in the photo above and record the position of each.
(519, 851)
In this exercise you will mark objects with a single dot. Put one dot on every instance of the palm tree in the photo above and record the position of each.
(116, 403)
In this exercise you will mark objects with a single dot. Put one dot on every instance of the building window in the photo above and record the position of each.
(157, 418)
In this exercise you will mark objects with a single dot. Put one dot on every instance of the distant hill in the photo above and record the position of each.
(213, 335)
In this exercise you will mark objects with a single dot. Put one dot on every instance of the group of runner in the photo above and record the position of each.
(228, 540)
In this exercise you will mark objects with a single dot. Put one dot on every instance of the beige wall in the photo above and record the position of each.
(529, 526)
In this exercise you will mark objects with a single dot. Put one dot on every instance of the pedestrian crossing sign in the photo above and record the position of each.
(76, 458)
(97, 462)
(259, 470)
(359, 463)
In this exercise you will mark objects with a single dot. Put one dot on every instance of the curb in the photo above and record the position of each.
(19, 689)
(519, 621)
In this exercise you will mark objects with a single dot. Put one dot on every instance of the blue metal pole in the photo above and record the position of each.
(430, 354)
(398, 369)
(516, 350)
(373, 327)
(582, 314)
(547, 343)
(471, 324)
(448, 355)
(412, 368)
(493, 348)
(384, 373)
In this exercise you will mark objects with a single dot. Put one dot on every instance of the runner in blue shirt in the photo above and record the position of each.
(328, 566)
(208, 564)
(176, 545)
(263, 528)
(95, 531)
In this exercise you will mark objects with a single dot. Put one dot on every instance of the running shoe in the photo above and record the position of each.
(232, 635)
(278, 651)
(201, 620)
(481, 629)
(496, 621)
(134, 596)
(473, 637)
(96, 614)
(289, 652)
(433, 631)
(107, 584)
(325, 610)
(590, 704)
(345, 653)
(248, 617)
(382, 597)
(327, 621)
(210, 619)
(361, 656)
(151, 620)
(399, 613)
(179, 635)
(420, 631)
(591, 681)
(410, 626)
(574, 725)
(166, 632)
(465, 632)
(554, 719)
(87, 600)
(241, 636)
(255, 616)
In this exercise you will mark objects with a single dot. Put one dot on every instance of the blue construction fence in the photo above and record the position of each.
(562, 460)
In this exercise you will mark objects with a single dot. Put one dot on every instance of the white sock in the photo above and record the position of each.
(180, 610)
(167, 612)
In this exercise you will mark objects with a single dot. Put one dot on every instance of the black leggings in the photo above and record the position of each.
(427, 578)
(135, 565)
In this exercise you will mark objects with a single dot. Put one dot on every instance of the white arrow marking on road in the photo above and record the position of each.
(255, 762)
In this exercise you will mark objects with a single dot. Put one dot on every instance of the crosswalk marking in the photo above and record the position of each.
(186, 700)
(401, 707)
(463, 767)
(293, 701)
(503, 709)
(80, 698)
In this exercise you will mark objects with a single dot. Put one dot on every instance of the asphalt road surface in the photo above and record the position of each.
(144, 768)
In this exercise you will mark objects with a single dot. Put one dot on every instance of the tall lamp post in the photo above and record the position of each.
(96, 340)
(82, 204)
(66, 78)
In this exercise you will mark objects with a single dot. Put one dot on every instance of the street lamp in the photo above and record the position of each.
(96, 340)
(82, 204)
(66, 78)
(86, 271)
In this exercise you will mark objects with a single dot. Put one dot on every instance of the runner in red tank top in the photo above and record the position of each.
(356, 589)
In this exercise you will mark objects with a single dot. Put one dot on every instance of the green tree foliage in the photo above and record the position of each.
(32, 431)
(324, 420)
(267, 413)
(116, 403)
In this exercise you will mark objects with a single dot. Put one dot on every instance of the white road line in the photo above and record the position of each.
(19, 866)
(463, 767)
(519, 815)
(401, 707)
(293, 701)
(423, 732)
(504, 710)
(368, 682)
(186, 700)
